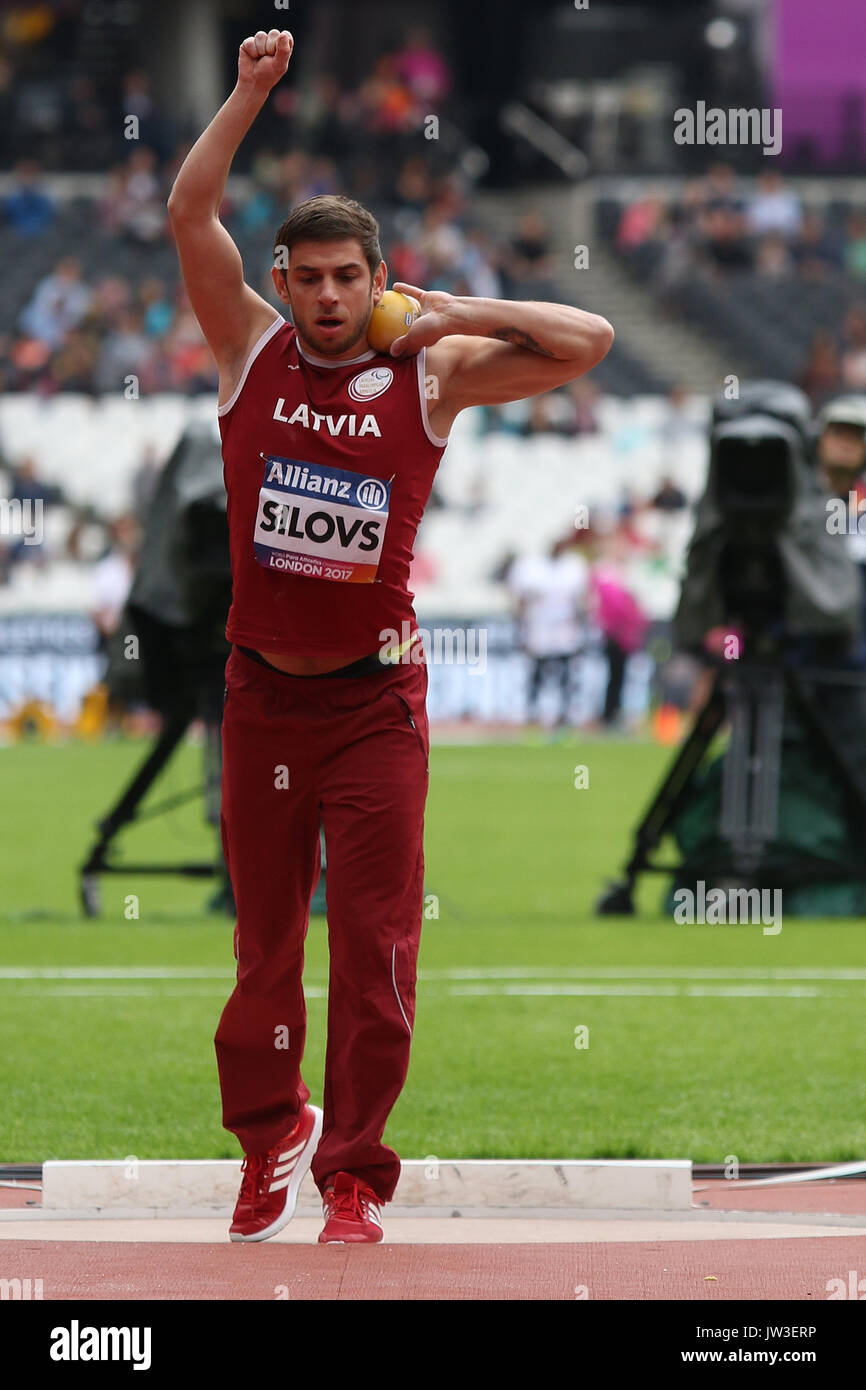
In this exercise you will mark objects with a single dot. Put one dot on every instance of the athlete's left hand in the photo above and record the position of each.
(438, 317)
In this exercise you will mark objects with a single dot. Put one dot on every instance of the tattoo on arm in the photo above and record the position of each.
(520, 339)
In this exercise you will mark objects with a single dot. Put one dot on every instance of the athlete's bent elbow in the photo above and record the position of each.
(598, 345)
(604, 339)
(176, 207)
(180, 209)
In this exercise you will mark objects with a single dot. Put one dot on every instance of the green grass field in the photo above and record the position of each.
(704, 1041)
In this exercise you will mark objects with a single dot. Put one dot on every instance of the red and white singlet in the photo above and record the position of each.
(328, 467)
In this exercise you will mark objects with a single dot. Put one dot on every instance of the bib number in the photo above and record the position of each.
(321, 522)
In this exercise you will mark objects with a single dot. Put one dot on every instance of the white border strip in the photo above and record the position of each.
(278, 323)
(421, 361)
(120, 1185)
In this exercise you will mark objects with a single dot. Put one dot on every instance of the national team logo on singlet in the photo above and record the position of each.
(371, 384)
(322, 522)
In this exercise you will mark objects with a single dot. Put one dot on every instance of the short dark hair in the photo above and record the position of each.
(332, 217)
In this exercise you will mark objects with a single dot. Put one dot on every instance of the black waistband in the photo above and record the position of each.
(366, 666)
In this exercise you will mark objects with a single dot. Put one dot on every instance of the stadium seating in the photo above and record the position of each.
(529, 488)
(765, 322)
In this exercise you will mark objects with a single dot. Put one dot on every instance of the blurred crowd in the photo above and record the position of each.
(92, 328)
(101, 333)
(53, 108)
(98, 306)
(837, 360)
(582, 596)
(110, 314)
(69, 121)
(713, 227)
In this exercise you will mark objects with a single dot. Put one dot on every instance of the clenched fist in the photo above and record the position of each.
(264, 58)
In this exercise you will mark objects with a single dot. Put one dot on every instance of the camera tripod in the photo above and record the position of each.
(755, 697)
(127, 807)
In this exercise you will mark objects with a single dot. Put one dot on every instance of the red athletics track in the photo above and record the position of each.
(772, 1251)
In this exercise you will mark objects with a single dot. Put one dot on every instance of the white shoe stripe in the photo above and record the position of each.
(281, 1182)
(292, 1183)
(285, 1168)
(290, 1153)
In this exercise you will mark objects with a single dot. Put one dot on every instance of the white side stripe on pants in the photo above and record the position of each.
(396, 990)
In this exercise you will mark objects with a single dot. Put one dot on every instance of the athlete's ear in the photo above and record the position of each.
(280, 285)
(380, 281)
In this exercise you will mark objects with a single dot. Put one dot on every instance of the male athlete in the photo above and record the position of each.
(330, 450)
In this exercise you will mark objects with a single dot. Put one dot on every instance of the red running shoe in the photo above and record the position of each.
(270, 1183)
(351, 1211)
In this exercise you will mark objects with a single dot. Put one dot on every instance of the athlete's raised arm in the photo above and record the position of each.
(489, 351)
(232, 316)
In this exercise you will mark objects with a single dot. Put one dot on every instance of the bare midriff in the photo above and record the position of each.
(310, 665)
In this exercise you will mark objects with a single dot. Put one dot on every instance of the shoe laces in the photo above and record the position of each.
(256, 1171)
(353, 1202)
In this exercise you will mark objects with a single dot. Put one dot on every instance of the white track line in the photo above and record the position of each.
(76, 991)
(604, 982)
(468, 973)
(120, 990)
(657, 991)
(646, 972)
(113, 972)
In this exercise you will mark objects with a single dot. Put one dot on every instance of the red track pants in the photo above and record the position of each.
(352, 751)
